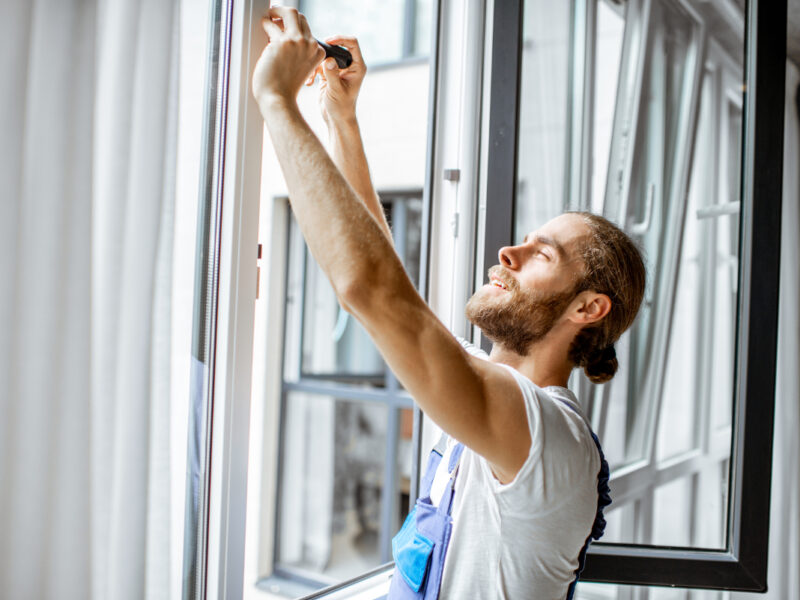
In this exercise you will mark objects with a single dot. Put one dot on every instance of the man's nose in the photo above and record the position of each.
(509, 257)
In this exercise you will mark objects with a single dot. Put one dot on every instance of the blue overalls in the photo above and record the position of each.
(420, 546)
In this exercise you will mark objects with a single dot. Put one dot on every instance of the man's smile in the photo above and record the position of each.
(497, 283)
(500, 279)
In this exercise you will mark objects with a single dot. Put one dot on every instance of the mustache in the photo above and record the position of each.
(501, 273)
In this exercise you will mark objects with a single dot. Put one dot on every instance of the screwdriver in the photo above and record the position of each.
(342, 55)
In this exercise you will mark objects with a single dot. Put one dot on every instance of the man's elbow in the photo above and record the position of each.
(364, 295)
(356, 294)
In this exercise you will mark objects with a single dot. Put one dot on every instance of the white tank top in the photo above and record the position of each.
(522, 539)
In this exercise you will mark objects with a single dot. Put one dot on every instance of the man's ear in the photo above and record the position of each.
(590, 307)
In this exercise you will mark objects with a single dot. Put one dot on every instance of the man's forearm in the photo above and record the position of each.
(343, 235)
(347, 151)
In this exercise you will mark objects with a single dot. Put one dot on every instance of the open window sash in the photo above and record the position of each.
(646, 193)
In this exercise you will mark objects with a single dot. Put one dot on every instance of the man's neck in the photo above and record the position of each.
(543, 364)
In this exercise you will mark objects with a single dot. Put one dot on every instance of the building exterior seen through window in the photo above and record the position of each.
(388, 31)
(346, 435)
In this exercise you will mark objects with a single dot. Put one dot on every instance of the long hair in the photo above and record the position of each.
(613, 265)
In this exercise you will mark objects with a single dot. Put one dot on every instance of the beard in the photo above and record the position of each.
(516, 319)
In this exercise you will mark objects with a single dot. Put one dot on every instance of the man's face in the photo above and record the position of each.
(531, 288)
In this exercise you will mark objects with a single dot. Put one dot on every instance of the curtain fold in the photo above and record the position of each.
(87, 162)
(132, 127)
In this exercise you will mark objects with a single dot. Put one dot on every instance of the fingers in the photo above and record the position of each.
(317, 71)
(294, 23)
(304, 28)
(349, 42)
(327, 68)
(332, 74)
(290, 18)
(271, 28)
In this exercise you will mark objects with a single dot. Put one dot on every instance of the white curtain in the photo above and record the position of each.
(88, 118)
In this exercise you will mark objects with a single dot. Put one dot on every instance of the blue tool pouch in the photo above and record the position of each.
(412, 552)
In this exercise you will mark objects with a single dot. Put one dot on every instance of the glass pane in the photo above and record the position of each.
(334, 342)
(208, 22)
(623, 522)
(422, 29)
(679, 411)
(671, 400)
(596, 591)
(543, 127)
(333, 485)
(379, 26)
(318, 382)
(652, 209)
(725, 233)
(608, 50)
(668, 594)
(602, 591)
(672, 504)
(613, 423)
(335, 345)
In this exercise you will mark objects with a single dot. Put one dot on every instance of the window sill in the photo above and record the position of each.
(371, 586)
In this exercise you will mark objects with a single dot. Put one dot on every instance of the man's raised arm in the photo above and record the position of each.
(477, 402)
(337, 98)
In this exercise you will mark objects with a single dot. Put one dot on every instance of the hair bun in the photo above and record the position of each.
(601, 365)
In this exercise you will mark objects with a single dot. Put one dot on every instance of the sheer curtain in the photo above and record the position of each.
(87, 163)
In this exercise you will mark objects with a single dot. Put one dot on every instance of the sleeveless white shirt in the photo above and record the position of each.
(522, 539)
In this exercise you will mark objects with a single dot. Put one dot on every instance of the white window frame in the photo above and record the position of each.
(453, 208)
(458, 209)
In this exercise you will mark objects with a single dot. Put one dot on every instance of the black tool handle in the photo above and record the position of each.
(342, 55)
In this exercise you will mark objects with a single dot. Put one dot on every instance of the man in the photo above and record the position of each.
(527, 489)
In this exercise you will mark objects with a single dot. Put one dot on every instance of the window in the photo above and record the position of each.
(334, 438)
(650, 127)
(388, 31)
(657, 149)
(346, 433)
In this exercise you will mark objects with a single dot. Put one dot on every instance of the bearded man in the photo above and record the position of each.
(512, 497)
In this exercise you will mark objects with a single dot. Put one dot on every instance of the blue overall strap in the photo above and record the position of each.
(603, 500)
(446, 503)
(434, 458)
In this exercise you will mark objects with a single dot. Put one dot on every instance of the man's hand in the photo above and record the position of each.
(290, 56)
(339, 87)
